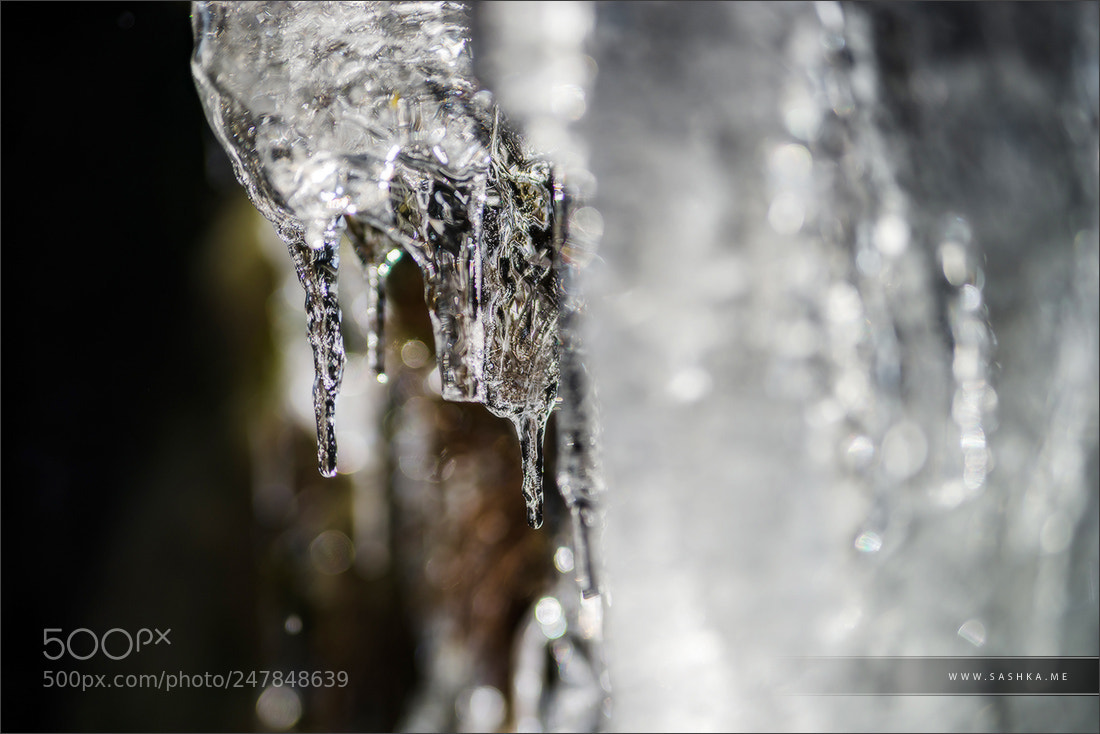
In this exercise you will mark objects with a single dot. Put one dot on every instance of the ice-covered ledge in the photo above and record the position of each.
(366, 118)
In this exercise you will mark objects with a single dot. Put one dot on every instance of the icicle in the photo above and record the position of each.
(519, 302)
(397, 142)
(376, 320)
(377, 255)
(317, 270)
(531, 430)
(438, 222)
(578, 473)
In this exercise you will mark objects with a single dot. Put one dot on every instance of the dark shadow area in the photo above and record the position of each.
(125, 479)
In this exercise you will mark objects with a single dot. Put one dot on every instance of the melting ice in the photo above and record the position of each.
(365, 119)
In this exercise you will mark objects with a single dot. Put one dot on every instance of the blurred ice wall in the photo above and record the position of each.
(843, 323)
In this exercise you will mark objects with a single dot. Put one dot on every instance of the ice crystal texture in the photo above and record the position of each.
(365, 118)
(534, 59)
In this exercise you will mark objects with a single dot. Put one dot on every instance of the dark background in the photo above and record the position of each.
(116, 376)
(142, 409)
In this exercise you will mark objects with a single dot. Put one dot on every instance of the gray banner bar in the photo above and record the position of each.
(944, 676)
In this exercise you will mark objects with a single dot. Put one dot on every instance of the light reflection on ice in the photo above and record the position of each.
(865, 330)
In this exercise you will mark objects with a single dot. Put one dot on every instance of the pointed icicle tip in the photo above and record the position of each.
(534, 509)
(531, 430)
(326, 464)
(317, 270)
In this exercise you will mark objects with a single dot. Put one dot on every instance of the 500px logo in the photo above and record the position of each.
(88, 643)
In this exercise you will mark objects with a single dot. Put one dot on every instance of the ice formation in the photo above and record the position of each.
(846, 295)
(847, 308)
(365, 119)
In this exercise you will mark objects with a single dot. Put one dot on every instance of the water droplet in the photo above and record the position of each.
(279, 707)
(415, 354)
(480, 709)
(891, 235)
(868, 542)
(689, 384)
(551, 617)
(970, 298)
(332, 552)
(790, 165)
(787, 213)
(973, 631)
(860, 451)
(563, 559)
(953, 261)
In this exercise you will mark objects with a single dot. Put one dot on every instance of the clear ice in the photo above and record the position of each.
(848, 306)
(534, 57)
(317, 269)
(366, 119)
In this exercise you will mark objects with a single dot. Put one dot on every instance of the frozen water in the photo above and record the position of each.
(320, 106)
(534, 55)
(365, 117)
(364, 120)
(844, 316)
(317, 269)
(838, 237)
